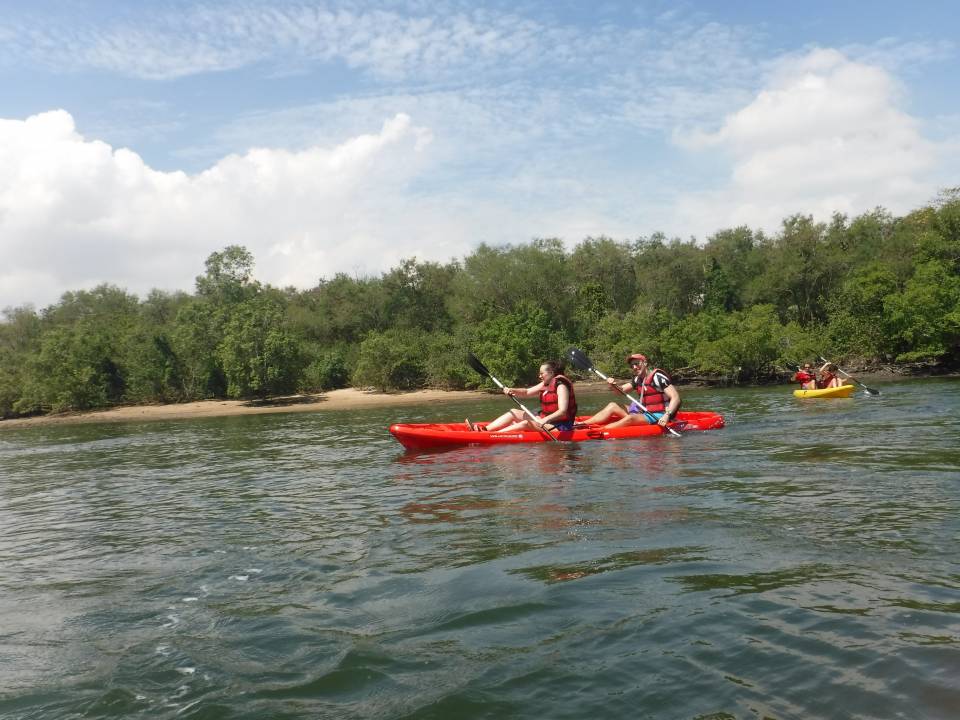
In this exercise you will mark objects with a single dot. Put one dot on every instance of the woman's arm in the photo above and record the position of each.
(524, 392)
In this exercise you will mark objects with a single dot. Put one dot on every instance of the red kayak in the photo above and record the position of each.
(428, 436)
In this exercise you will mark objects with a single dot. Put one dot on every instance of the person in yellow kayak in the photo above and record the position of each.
(829, 377)
(558, 404)
(806, 376)
(657, 392)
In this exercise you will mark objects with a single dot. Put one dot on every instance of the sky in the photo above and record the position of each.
(345, 136)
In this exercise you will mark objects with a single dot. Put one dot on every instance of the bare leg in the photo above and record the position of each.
(520, 425)
(508, 418)
(613, 411)
(628, 420)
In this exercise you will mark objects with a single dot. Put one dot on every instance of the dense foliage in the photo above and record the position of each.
(741, 307)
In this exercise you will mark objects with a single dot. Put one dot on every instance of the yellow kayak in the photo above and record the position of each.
(834, 392)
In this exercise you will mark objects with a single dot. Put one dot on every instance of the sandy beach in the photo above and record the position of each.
(346, 399)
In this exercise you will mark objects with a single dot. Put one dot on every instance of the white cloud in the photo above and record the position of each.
(825, 134)
(76, 212)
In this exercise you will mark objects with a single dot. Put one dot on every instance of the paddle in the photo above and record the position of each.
(578, 358)
(869, 390)
(475, 363)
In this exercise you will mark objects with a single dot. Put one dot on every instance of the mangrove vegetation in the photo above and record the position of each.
(743, 306)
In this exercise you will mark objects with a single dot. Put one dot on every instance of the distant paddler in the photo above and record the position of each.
(806, 376)
(829, 377)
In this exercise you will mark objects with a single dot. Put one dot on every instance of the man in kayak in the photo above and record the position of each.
(657, 392)
(558, 404)
(806, 376)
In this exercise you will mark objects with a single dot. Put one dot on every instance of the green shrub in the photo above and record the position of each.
(391, 360)
(329, 369)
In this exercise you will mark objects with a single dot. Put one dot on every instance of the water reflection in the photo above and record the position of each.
(611, 563)
(762, 581)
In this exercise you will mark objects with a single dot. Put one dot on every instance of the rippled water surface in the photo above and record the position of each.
(800, 563)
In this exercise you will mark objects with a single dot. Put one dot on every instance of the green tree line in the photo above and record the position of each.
(743, 306)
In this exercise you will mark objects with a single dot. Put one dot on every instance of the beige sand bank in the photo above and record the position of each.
(347, 399)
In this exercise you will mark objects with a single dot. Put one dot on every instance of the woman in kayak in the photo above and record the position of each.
(558, 404)
(806, 376)
(657, 393)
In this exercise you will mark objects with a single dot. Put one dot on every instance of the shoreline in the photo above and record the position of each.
(343, 399)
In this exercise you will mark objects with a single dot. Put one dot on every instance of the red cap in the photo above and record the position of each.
(636, 357)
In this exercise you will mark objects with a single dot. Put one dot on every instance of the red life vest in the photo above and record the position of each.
(825, 379)
(653, 400)
(549, 401)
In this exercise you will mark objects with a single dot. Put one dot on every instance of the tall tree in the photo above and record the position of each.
(258, 354)
(924, 319)
(229, 276)
(20, 333)
(495, 281)
(196, 335)
(608, 265)
(415, 295)
(733, 261)
(342, 309)
(669, 274)
(802, 271)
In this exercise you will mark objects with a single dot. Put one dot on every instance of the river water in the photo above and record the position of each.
(800, 563)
